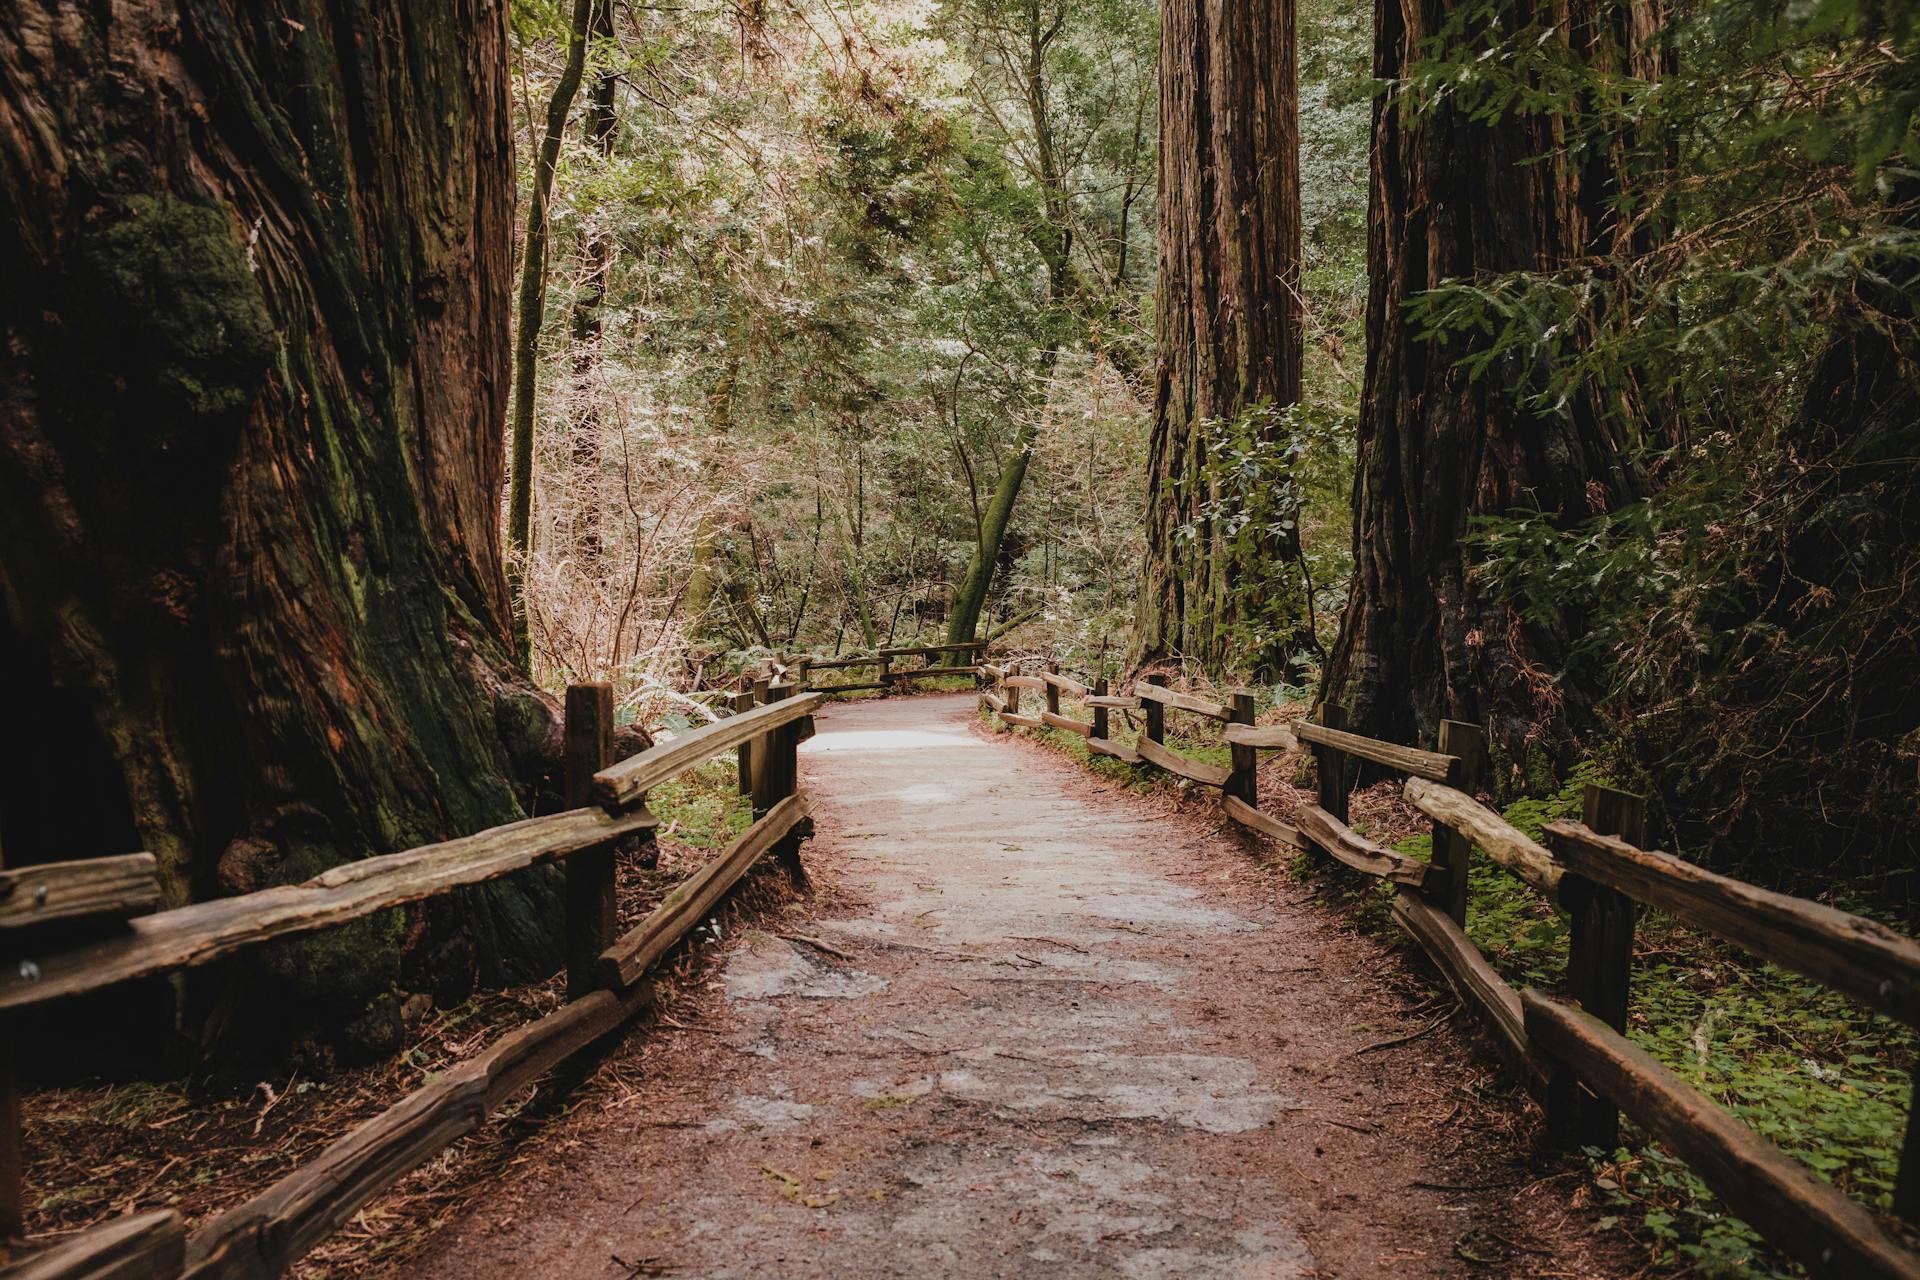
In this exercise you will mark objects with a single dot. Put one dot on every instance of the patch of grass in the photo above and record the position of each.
(704, 805)
(137, 1104)
(891, 1101)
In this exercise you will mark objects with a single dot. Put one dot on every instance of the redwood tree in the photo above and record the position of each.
(1462, 198)
(1229, 319)
(256, 362)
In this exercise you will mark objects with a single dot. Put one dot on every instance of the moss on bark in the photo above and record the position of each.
(255, 371)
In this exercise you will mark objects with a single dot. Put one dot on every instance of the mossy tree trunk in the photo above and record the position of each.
(971, 597)
(1458, 198)
(1229, 332)
(533, 315)
(602, 123)
(256, 331)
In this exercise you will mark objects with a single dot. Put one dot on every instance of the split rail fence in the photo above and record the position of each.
(887, 676)
(1576, 1059)
(75, 927)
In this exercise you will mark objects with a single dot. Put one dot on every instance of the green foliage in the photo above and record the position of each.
(1263, 463)
(832, 316)
(703, 806)
(1746, 312)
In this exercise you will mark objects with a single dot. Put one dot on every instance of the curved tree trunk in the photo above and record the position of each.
(250, 459)
(1455, 198)
(970, 599)
(602, 122)
(532, 316)
(1229, 320)
(1052, 236)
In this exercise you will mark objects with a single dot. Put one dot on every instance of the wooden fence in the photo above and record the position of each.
(887, 676)
(1576, 1060)
(607, 980)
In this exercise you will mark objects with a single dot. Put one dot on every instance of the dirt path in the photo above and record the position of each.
(1048, 1030)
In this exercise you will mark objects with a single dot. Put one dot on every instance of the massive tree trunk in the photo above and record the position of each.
(1452, 199)
(250, 458)
(1229, 320)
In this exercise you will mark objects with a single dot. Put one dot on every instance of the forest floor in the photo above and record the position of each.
(1033, 1023)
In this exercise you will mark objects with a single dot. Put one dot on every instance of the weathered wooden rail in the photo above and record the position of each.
(1575, 1059)
(888, 677)
(607, 975)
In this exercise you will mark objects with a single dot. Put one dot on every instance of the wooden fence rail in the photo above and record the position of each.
(889, 677)
(1577, 1062)
(607, 980)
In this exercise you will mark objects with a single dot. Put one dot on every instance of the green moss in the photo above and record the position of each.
(176, 275)
(344, 965)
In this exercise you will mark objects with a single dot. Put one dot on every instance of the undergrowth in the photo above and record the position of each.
(702, 807)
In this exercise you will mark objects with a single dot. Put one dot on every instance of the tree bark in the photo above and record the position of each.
(1229, 322)
(1454, 198)
(250, 459)
(532, 315)
(971, 597)
(602, 122)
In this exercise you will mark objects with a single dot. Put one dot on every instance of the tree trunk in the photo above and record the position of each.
(971, 597)
(601, 123)
(255, 332)
(703, 577)
(1052, 237)
(856, 583)
(1229, 321)
(1455, 198)
(533, 313)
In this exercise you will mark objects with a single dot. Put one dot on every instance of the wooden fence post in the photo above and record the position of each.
(1243, 782)
(1906, 1184)
(592, 917)
(761, 697)
(743, 701)
(1599, 969)
(802, 672)
(1053, 690)
(1100, 713)
(1333, 777)
(773, 760)
(886, 674)
(1154, 712)
(1453, 852)
(13, 1196)
(776, 775)
(1012, 693)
